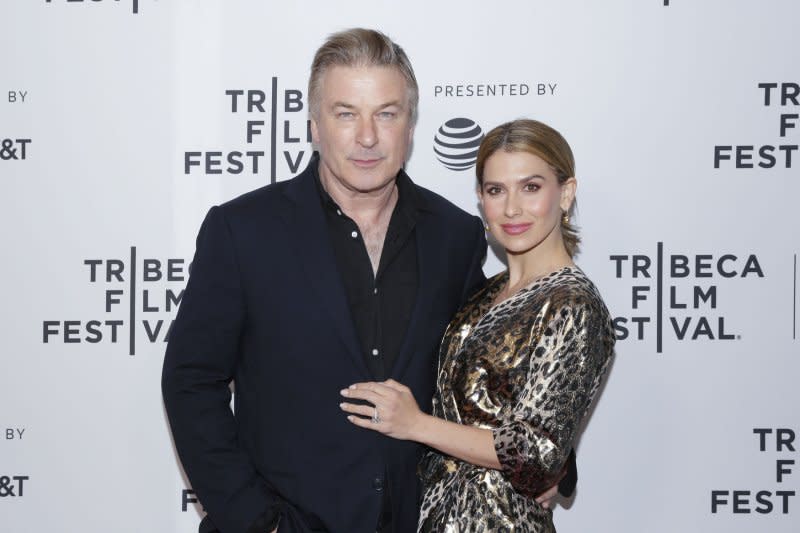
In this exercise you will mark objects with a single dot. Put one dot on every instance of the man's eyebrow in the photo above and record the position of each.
(345, 105)
(392, 103)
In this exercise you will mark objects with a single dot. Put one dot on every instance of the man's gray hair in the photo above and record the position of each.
(361, 47)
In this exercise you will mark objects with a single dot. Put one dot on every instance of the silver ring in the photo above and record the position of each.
(376, 419)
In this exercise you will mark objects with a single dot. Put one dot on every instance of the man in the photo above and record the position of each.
(348, 272)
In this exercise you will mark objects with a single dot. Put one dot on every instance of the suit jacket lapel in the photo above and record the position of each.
(308, 231)
(429, 272)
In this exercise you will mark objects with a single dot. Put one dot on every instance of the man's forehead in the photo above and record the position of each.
(363, 78)
(353, 69)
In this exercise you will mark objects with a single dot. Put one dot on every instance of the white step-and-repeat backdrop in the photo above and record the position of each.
(122, 122)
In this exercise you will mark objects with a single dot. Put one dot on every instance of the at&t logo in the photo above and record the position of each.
(456, 143)
(12, 486)
(13, 149)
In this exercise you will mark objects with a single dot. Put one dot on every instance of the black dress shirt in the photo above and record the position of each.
(380, 304)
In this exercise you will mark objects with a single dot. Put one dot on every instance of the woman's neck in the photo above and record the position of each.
(537, 262)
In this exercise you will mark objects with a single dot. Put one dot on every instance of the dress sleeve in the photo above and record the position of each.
(570, 349)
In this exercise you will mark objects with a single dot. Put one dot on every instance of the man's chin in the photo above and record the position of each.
(370, 180)
(371, 186)
(361, 180)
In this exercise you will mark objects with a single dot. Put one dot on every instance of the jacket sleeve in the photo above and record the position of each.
(199, 365)
(570, 480)
(475, 277)
(569, 356)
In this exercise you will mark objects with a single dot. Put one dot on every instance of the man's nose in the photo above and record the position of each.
(367, 135)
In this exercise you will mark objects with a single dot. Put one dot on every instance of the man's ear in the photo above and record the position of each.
(314, 132)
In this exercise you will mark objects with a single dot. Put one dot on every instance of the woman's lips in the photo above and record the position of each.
(515, 229)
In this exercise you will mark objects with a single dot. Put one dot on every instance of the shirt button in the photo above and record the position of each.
(339, 212)
(354, 235)
(377, 484)
(375, 351)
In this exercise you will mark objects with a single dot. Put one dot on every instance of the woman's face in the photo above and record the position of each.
(523, 201)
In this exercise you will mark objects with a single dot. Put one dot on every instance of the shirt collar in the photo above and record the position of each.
(409, 201)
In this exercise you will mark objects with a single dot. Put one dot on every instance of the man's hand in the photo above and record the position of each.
(545, 499)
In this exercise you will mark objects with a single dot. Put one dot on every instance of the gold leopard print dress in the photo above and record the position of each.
(528, 369)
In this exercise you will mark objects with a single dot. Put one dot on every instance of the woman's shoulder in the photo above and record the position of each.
(575, 305)
(571, 289)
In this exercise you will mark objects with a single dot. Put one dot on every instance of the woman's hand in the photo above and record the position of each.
(394, 411)
(399, 416)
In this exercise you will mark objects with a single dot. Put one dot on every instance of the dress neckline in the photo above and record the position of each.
(500, 279)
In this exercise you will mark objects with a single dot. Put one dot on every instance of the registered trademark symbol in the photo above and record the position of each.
(738, 337)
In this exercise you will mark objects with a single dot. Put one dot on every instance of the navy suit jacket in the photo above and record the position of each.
(264, 307)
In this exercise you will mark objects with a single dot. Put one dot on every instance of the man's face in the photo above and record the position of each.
(362, 127)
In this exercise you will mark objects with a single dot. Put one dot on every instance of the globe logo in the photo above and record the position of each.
(456, 143)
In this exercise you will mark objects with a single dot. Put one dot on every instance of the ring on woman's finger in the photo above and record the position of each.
(376, 419)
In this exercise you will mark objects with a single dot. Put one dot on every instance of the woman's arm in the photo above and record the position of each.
(532, 446)
(400, 417)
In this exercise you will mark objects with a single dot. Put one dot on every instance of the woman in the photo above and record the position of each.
(519, 364)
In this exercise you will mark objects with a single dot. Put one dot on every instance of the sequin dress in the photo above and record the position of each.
(528, 369)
